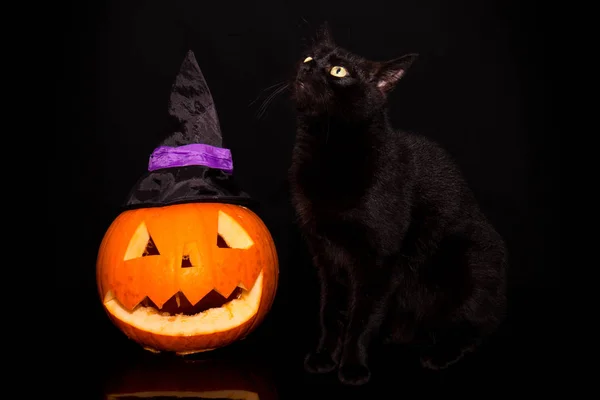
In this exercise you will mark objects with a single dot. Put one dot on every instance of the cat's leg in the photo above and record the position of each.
(482, 310)
(325, 357)
(368, 300)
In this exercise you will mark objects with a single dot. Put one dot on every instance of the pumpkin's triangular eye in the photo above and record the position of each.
(150, 249)
(221, 243)
(141, 244)
(230, 234)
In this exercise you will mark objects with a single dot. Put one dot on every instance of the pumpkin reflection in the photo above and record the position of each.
(175, 378)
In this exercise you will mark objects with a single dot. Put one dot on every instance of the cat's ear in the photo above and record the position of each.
(390, 72)
(324, 34)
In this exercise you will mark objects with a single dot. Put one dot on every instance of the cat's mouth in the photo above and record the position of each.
(299, 88)
(306, 100)
(301, 93)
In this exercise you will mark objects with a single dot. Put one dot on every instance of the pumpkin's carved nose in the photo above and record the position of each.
(185, 262)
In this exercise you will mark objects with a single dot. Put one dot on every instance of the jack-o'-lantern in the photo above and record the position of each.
(188, 266)
(187, 277)
(186, 379)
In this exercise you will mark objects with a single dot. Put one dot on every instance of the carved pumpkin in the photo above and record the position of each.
(187, 278)
(199, 379)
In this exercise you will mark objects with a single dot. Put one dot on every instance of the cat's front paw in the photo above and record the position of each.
(319, 362)
(354, 374)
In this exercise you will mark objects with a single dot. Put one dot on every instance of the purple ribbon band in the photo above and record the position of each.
(191, 154)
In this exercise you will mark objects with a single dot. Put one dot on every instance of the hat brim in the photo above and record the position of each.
(187, 184)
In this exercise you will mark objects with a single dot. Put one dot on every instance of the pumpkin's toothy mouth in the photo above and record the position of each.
(179, 304)
(238, 308)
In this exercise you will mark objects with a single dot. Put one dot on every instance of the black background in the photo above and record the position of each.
(478, 88)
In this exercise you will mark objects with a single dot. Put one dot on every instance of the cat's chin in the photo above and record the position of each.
(308, 111)
(304, 101)
(300, 94)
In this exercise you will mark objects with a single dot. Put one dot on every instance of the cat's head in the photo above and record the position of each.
(334, 81)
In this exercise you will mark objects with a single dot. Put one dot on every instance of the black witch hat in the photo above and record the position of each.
(191, 164)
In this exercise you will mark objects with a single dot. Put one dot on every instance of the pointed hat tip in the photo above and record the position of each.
(190, 55)
(192, 105)
(190, 58)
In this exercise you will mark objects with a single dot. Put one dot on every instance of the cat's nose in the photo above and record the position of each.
(307, 66)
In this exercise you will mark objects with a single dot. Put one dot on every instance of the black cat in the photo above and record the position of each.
(403, 252)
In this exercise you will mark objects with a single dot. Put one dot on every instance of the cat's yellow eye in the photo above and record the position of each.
(338, 72)
(307, 59)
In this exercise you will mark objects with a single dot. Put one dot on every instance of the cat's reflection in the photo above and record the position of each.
(180, 378)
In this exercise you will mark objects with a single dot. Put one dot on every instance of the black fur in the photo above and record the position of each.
(403, 252)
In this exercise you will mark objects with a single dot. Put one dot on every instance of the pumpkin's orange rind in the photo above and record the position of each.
(125, 283)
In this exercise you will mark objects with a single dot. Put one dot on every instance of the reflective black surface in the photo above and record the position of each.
(105, 364)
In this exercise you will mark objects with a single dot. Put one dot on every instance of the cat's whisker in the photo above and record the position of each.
(267, 102)
(266, 89)
(304, 22)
